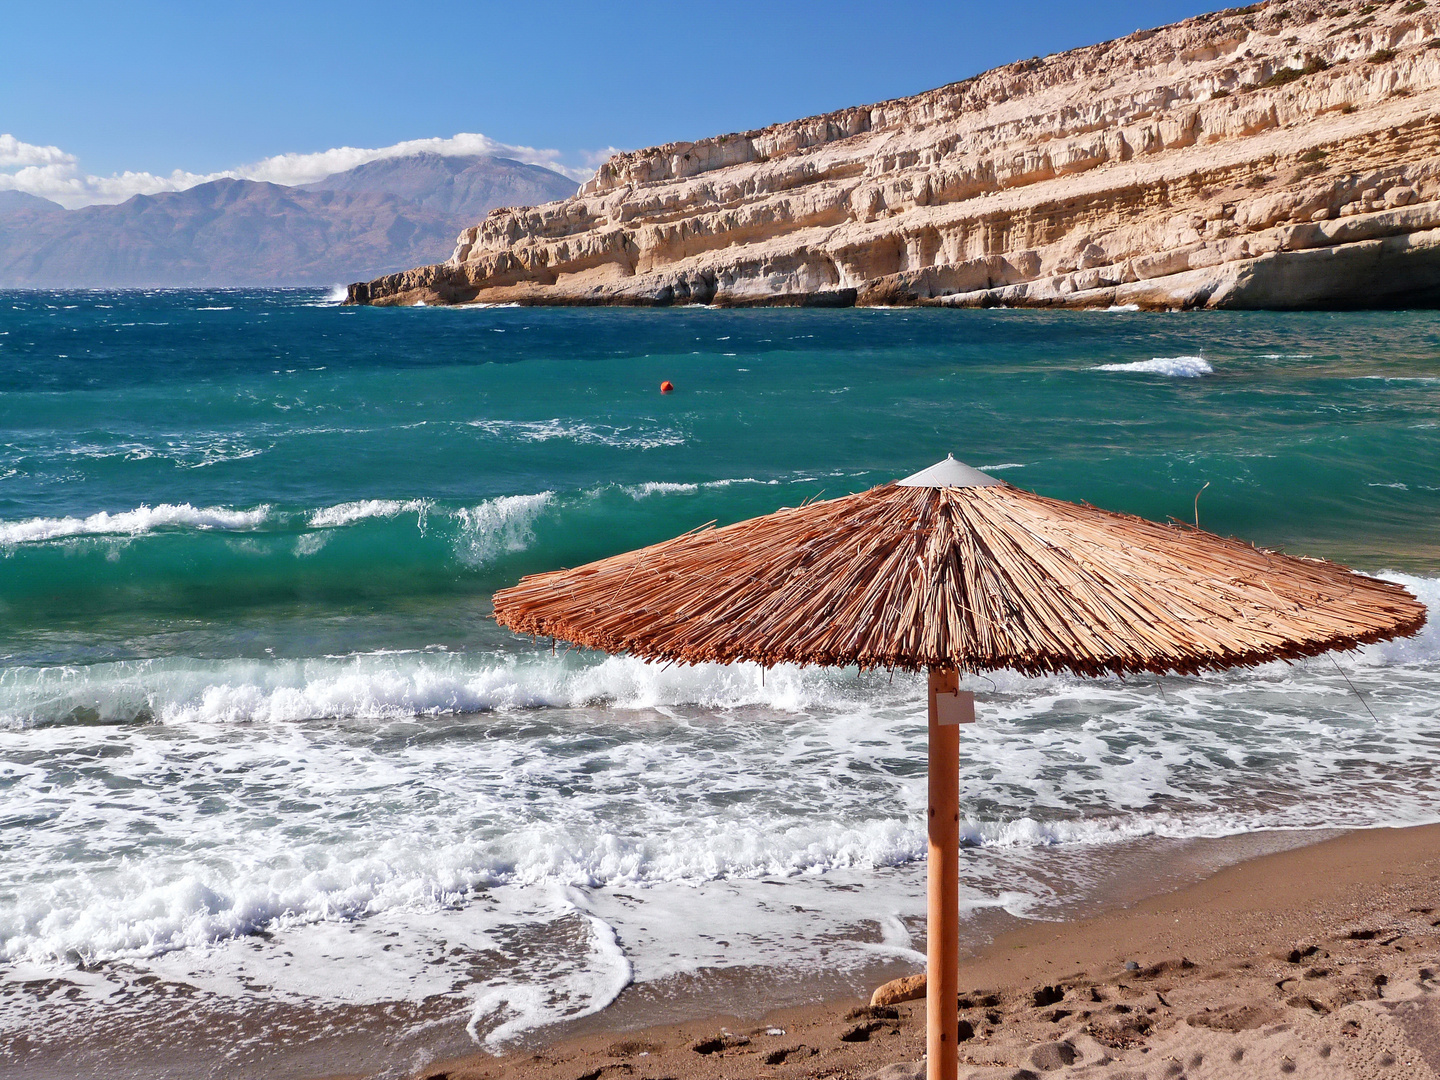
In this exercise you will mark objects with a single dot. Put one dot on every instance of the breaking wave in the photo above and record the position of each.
(141, 520)
(347, 513)
(659, 487)
(383, 686)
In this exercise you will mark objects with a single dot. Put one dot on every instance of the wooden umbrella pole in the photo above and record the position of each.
(948, 710)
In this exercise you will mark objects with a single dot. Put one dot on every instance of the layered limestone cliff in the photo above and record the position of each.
(1283, 155)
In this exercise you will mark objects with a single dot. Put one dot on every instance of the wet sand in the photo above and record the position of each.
(1316, 962)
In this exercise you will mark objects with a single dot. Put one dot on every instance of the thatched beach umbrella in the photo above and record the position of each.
(954, 571)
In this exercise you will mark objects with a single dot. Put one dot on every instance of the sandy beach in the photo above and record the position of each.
(1316, 962)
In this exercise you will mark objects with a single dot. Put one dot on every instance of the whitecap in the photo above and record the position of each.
(626, 437)
(1180, 367)
(198, 452)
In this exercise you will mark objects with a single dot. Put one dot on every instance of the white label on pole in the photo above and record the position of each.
(957, 708)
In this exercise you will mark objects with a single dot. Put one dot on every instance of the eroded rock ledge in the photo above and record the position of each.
(1285, 155)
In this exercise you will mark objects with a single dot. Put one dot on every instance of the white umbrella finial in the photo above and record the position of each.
(950, 474)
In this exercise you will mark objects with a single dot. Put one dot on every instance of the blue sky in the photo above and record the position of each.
(204, 87)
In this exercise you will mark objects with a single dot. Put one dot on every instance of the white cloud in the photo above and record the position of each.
(51, 173)
(306, 168)
(15, 153)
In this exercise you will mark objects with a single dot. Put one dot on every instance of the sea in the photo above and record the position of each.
(277, 794)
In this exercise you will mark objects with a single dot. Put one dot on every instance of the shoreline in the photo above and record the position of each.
(1007, 957)
(1274, 957)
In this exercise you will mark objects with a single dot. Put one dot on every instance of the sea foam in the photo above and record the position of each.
(638, 437)
(578, 821)
(501, 1014)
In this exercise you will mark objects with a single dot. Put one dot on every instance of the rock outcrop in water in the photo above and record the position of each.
(1285, 155)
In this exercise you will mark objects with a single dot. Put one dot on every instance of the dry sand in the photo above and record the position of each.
(1316, 962)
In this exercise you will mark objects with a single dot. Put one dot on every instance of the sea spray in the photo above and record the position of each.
(498, 526)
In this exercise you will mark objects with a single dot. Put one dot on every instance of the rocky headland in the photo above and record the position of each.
(1284, 155)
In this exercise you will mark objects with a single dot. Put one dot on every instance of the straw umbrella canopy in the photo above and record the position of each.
(953, 570)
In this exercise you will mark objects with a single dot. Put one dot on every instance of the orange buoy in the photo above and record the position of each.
(666, 386)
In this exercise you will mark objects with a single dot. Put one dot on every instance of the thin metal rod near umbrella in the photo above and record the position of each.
(952, 570)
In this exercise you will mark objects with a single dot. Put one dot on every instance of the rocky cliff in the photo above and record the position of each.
(1284, 155)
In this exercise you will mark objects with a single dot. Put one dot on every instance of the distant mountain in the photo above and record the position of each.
(379, 217)
(21, 202)
(466, 187)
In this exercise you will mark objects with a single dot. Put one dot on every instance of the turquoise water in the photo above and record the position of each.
(1317, 433)
(252, 706)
